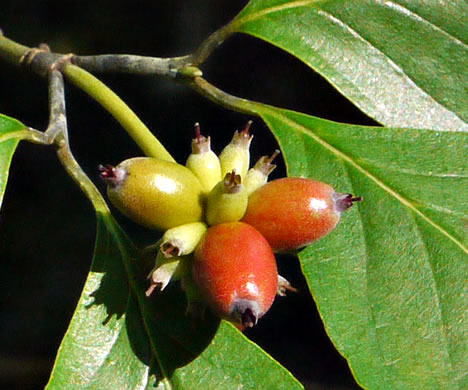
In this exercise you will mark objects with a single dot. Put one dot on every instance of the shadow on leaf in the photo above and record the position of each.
(160, 334)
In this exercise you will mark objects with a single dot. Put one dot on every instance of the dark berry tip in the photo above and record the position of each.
(345, 201)
(169, 250)
(232, 182)
(284, 286)
(110, 174)
(273, 156)
(264, 164)
(200, 144)
(106, 171)
(151, 288)
(246, 311)
(243, 138)
(248, 318)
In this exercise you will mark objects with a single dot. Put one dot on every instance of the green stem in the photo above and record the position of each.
(224, 99)
(11, 51)
(119, 110)
(27, 134)
(211, 43)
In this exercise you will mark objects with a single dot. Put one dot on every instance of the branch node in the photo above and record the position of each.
(28, 57)
(189, 72)
(60, 63)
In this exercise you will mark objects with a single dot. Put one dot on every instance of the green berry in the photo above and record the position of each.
(258, 175)
(182, 240)
(166, 270)
(236, 155)
(227, 201)
(203, 162)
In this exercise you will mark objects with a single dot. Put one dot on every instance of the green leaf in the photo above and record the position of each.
(120, 339)
(390, 281)
(8, 143)
(401, 62)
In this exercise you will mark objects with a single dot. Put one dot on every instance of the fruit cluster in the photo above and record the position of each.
(223, 222)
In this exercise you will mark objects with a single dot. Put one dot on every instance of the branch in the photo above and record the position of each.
(57, 113)
(166, 67)
(41, 61)
(126, 63)
(183, 68)
(57, 131)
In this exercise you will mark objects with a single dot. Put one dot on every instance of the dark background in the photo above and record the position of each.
(47, 226)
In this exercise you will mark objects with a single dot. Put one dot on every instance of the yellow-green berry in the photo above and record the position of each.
(236, 155)
(258, 175)
(203, 162)
(154, 193)
(227, 201)
(166, 270)
(182, 240)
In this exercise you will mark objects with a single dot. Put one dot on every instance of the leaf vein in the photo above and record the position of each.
(439, 305)
(404, 10)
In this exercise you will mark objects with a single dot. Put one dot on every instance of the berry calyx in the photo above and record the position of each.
(235, 270)
(154, 193)
(203, 162)
(227, 201)
(293, 212)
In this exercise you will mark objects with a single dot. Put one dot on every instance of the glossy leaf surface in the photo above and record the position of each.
(390, 281)
(401, 62)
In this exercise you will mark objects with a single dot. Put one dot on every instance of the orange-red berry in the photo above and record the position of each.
(235, 271)
(293, 212)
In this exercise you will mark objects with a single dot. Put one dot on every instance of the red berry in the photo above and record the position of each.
(293, 212)
(235, 270)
